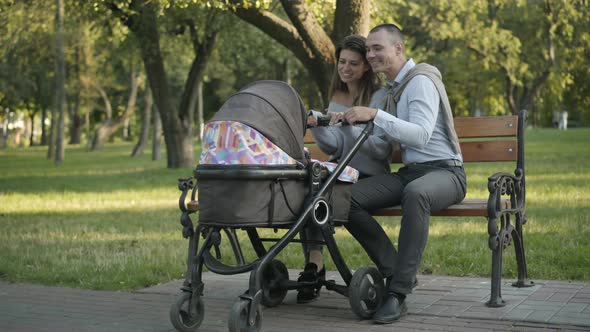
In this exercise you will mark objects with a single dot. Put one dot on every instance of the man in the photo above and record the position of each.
(417, 119)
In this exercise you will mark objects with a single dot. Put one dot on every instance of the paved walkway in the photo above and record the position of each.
(438, 303)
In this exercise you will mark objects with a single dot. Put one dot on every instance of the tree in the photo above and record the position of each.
(141, 17)
(157, 137)
(146, 115)
(304, 35)
(60, 93)
(75, 118)
(523, 41)
(27, 59)
(202, 43)
(110, 124)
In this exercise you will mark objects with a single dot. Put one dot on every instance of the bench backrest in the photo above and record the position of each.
(482, 139)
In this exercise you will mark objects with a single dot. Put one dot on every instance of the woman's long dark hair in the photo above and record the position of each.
(369, 83)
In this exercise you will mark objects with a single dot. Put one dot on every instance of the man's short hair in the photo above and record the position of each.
(393, 31)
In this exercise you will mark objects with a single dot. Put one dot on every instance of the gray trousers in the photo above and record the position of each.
(421, 190)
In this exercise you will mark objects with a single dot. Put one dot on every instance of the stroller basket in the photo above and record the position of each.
(244, 195)
(261, 196)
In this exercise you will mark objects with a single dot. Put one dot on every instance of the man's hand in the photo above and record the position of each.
(359, 114)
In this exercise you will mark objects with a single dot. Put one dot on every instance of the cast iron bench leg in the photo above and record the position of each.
(517, 236)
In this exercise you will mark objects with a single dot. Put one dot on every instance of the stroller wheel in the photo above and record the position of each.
(238, 318)
(366, 292)
(187, 315)
(273, 275)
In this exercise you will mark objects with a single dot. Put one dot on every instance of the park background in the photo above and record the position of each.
(102, 103)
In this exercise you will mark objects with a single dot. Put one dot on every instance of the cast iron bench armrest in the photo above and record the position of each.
(499, 185)
(505, 184)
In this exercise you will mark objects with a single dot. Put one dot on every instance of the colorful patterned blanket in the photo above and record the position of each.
(234, 143)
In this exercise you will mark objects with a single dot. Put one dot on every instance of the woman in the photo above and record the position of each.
(353, 84)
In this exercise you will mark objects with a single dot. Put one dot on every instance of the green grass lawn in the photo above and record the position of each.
(104, 220)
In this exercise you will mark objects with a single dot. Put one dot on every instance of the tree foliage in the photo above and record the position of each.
(522, 47)
(496, 56)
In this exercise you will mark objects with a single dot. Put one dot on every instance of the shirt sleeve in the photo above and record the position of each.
(422, 105)
(329, 140)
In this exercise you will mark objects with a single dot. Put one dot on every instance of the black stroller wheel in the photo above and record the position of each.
(238, 318)
(272, 293)
(365, 292)
(187, 315)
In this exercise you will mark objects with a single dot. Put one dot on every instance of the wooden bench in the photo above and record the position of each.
(483, 139)
(486, 139)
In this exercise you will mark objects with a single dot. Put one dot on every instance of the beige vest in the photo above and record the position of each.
(393, 95)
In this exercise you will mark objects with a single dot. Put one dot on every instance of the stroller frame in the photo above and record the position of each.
(269, 280)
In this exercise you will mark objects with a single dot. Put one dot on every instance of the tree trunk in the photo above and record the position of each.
(106, 129)
(4, 134)
(100, 134)
(44, 100)
(43, 126)
(145, 124)
(52, 135)
(27, 130)
(76, 124)
(32, 128)
(193, 90)
(200, 119)
(126, 132)
(60, 82)
(351, 17)
(76, 120)
(286, 71)
(305, 37)
(156, 151)
(87, 125)
(178, 136)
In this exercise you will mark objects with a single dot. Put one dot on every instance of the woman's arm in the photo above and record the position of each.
(329, 140)
(376, 145)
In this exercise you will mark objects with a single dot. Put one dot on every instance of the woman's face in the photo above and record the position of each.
(351, 66)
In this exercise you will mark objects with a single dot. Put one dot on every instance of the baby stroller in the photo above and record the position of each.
(254, 173)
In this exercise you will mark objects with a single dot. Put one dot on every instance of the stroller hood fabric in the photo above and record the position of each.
(274, 109)
(245, 136)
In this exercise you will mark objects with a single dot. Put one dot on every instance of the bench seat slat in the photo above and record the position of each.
(467, 208)
(317, 154)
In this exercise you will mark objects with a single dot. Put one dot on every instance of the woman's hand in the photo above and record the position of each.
(335, 118)
(312, 121)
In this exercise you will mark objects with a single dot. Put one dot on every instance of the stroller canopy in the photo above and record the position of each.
(274, 109)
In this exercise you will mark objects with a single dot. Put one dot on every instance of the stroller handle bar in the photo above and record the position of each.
(324, 121)
(253, 174)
